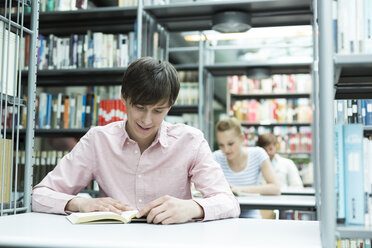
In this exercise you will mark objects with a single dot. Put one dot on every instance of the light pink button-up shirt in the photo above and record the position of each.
(178, 155)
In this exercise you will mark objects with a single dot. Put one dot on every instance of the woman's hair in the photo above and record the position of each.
(148, 81)
(228, 124)
(266, 140)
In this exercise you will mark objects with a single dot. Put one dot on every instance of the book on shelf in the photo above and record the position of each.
(8, 78)
(104, 217)
(340, 176)
(5, 172)
(243, 194)
(353, 169)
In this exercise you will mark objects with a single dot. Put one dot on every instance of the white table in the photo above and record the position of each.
(47, 230)
(281, 202)
(297, 191)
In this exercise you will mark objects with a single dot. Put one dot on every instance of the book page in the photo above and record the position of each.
(101, 217)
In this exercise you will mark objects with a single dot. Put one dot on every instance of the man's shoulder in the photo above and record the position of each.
(113, 128)
(181, 130)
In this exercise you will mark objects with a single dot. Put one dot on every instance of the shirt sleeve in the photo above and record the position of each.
(218, 201)
(294, 179)
(70, 176)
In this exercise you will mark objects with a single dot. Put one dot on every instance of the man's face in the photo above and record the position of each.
(270, 149)
(144, 120)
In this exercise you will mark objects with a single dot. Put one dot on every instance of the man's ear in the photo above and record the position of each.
(123, 100)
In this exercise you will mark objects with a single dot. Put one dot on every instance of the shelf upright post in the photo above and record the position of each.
(202, 87)
(166, 37)
(315, 107)
(31, 104)
(326, 129)
(139, 28)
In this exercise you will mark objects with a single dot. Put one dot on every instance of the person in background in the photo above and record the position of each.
(243, 165)
(285, 170)
(142, 162)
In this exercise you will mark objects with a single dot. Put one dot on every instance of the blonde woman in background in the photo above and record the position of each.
(242, 165)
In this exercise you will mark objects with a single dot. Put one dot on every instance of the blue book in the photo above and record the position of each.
(340, 111)
(369, 112)
(84, 111)
(364, 111)
(354, 178)
(340, 183)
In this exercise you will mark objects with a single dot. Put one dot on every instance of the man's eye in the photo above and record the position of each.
(140, 107)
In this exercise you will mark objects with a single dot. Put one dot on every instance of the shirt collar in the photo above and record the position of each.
(160, 137)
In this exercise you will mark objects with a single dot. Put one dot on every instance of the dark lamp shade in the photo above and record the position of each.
(258, 73)
(231, 22)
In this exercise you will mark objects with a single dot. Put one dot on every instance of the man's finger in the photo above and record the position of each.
(146, 209)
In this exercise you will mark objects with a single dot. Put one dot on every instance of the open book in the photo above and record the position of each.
(103, 217)
(241, 193)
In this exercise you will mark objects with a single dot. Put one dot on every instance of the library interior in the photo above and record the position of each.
(224, 123)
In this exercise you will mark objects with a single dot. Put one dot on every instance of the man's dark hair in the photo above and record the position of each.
(148, 81)
(266, 140)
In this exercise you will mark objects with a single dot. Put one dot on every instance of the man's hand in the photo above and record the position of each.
(79, 204)
(170, 210)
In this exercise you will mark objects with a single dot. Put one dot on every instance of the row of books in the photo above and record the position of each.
(188, 119)
(62, 5)
(76, 111)
(352, 26)
(189, 94)
(354, 243)
(44, 162)
(295, 142)
(5, 172)
(91, 50)
(288, 83)
(8, 72)
(353, 175)
(273, 110)
(353, 111)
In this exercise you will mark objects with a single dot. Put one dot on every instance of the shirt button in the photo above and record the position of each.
(135, 151)
(139, 176)
(139, 200)
(128, 143)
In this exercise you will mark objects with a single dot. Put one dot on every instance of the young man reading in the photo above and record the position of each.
(142, 162)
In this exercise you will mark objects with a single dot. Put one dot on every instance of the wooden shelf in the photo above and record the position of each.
(351, 232)
(271, 95)
(183, 109)
(57, 133)
(353, 76)
(227, 69)
(102, 19)
(79, 77)
(13, 100)
(298, 124)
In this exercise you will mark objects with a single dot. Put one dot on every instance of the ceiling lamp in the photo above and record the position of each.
(258, 73)
(231, 22)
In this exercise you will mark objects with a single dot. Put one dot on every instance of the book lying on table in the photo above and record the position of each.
(241, 193)
(104, 217)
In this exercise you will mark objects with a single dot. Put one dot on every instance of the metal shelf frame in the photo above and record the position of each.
(16, 24)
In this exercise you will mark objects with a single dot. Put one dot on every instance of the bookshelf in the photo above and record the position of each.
(15, 199)
(197, 16)
(353, 74)
(347, 76)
